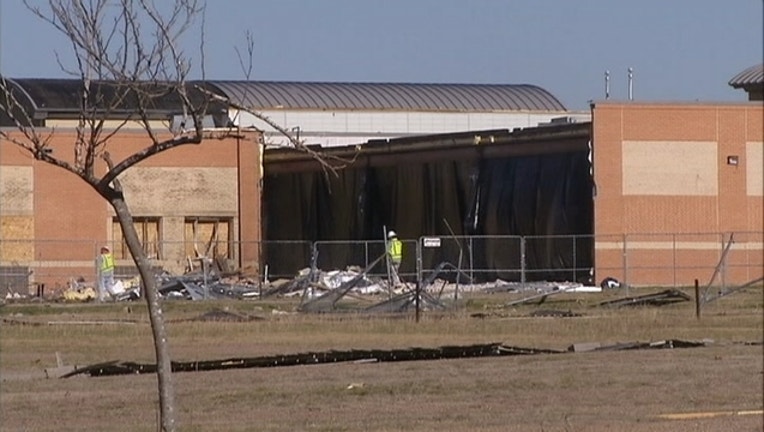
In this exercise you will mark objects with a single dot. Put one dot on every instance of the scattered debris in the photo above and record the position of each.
(209, 285)
(584, 346)
(662, 298)
(549, 290)
(707, 298)
(69, 322)
(222, 315)
(395, 355)
(80, 294)
(708, 414)
(328, 301)
(367, 356)
(407, 301)
(554, 313)
(662, 344)
(610, 283)
(60, 370)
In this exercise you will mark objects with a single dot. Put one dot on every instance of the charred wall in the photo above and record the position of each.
(543, 194)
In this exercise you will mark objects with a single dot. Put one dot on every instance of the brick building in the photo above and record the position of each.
(674, 182)
(186, 202)
(54, 222)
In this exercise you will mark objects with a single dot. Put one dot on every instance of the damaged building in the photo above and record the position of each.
(644, 192)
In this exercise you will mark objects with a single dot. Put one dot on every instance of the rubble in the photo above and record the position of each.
(116, 367)
(662, 298)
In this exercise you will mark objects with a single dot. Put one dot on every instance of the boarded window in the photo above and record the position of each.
(210, 237)
(148, 233)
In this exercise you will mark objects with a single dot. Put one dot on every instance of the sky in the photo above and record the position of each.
(680, 50)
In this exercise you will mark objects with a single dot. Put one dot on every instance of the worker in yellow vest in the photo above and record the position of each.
(395, 253)
(105, 273)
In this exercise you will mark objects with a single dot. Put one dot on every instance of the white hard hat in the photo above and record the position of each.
(391, 234)
(105, 247)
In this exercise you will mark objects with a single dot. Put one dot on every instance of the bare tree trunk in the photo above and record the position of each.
(151, 294)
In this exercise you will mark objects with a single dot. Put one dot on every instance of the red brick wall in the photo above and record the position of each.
(619, 210)
(68, 211)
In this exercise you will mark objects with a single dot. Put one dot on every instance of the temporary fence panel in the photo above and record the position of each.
(284, 258)
(610, 259)
(744, 260)
(26, 266)
(694, 256)
(477, 258)
(559, 258)
(339, 255)
(650, 259)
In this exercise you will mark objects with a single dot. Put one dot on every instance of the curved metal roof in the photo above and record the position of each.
(753, 75)
(388, 96)
(64, 95)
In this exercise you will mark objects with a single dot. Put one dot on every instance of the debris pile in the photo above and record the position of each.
(662, 298)
(117, 367)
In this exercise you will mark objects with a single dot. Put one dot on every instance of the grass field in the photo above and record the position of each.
(719, 387)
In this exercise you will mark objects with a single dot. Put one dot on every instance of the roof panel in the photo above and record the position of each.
(390, 96)
(64, 95)
(753, 75)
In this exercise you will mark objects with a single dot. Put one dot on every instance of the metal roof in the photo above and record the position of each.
(64, 95)
(45, 96)
(388, 96)
(752, 76)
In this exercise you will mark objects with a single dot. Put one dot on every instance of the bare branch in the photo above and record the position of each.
(250, 56)
(33, 142)
(146, 153)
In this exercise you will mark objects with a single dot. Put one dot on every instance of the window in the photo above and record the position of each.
(148, 234)
(208, 236)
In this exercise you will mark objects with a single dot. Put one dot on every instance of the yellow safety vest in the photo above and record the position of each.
(107, 263)
(396, 250)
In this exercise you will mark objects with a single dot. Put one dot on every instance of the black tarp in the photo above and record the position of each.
(538, 195)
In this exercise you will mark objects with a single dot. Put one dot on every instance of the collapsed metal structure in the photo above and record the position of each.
(395, 355)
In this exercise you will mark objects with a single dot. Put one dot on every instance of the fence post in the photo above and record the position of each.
(522, 259)
(205, 271)
(724, 261)
(314, 262)
(575, 263)
(625, 265)
(673, 253)
(419, 270)
(697, 299)
(416, 300)
(472, 261)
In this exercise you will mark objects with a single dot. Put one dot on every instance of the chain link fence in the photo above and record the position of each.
(341, 255)
(715, 259)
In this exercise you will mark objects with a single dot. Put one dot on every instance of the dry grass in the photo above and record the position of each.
(568, 392)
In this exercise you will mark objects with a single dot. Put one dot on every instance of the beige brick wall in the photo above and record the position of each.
(683, 168)
(754, 169)
(175, 191)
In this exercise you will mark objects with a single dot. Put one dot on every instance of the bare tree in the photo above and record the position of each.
(330, 164)
(128, 56)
